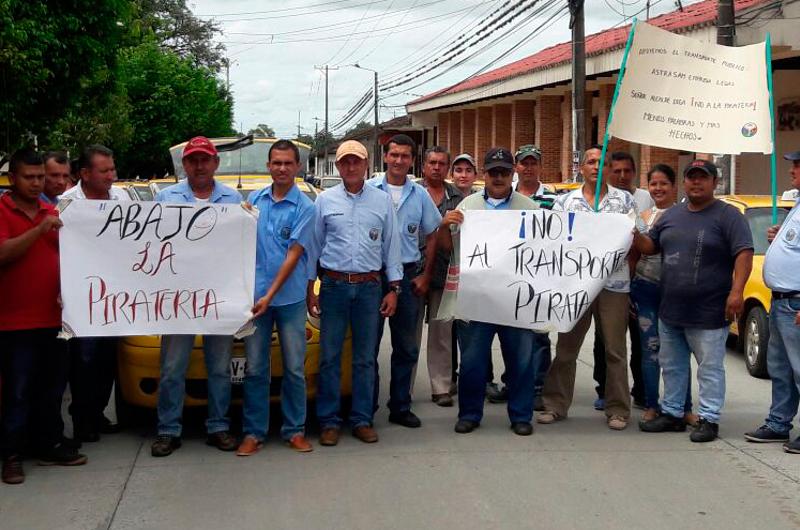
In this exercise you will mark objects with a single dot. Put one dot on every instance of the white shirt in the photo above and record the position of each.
(76, 192)
(396, 192)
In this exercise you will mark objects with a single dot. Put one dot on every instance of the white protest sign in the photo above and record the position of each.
(681, 93)
(142, 268)
(537, 269)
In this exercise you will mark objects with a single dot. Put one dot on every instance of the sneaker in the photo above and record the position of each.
(249, 446)
(789, 447)
(705, 431)
(443, 400)
(663, 423)
(299, 443)
(547, 417)
(764, 435)
(649, 415)
(164, 445)
(495, 393)
(12, 470)
(222, 440)
(466, 426)
(599, 404)
(617, 423)
(62, 455)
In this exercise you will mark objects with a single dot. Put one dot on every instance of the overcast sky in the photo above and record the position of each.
(275, 45)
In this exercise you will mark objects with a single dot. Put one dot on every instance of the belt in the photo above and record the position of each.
(353, 277)
(780, 296)
(411, 265)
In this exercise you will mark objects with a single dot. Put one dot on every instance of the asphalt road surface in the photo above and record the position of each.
(573, 474)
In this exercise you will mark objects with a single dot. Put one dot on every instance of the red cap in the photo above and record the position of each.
(199, 144)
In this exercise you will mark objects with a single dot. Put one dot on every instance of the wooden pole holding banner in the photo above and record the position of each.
(774, 160)
(611, 116)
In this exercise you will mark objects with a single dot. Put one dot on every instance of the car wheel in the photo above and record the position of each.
(756, 337)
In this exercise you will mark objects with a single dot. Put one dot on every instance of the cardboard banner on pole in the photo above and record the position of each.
(681, 93)
(145, 268)
(537, 269)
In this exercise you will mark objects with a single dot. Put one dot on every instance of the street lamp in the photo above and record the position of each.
(377, 147)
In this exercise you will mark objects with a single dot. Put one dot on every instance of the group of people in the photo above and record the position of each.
(387, 248)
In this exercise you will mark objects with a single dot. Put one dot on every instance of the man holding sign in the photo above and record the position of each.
(200, 161)
(475, 338)
(708, 254)
(609, 310)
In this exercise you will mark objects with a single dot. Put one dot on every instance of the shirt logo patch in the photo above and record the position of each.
(412, 228)
(373, 234)
(791, 234)
(286, 232)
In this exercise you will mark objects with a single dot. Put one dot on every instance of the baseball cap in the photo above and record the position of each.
(498, 157)
(703, 165)
(351, 147)
(199, 144)
(527, 150)
(792, 156)
(465, 157)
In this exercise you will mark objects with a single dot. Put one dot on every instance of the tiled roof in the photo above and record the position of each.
(692, 16)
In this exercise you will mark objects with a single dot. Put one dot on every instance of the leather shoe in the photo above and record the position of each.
(249, 446)
(299, 443)
(443, 400)
(522, 428)
(12, 470)
(465, 426)
(405, 418)
(222, 440)
(366, 434)
(329, 436)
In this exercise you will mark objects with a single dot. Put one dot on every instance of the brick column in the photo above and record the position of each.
(650, 155)
(547, 135)
(444, 129)
(483, 134)
(468, 117)
(501, 130)
(455, 131)
(522, 123)
(606, 95)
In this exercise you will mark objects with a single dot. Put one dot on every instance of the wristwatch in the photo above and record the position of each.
(396, 289)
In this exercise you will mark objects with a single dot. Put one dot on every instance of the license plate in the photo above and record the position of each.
(238, 365)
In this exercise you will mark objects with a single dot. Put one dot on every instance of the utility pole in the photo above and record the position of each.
(298, 124)
(726, 35)
(578, 83)
(325, 130)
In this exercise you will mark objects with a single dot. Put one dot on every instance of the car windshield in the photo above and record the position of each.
(249, 160)
(759, 220)
(329, 183)
(143, 192)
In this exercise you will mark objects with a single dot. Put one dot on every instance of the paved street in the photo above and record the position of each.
(574, 474)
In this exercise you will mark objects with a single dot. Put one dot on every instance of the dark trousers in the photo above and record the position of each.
(403, 327)
(93, 366)
(33, 367)
(599, 371)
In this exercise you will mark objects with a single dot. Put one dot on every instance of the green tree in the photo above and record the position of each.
(358, 128)
(306, 139)
(49, 51)
(171, 99)
(262, 130)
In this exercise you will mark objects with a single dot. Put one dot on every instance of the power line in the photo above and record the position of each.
(312, 12)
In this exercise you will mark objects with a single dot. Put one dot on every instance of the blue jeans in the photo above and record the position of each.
(346, 305)
(708, 345)
(475, 339)
(783, 363)
(646, 296)
(33, 367)
(175, 354)
(405, 353)
(542, 357)
(291, 323)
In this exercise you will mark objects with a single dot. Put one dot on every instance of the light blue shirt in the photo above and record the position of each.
(355, 232)
(782, 260)
(504, 204)
(182, 193)
(281, 225)
(417, 216)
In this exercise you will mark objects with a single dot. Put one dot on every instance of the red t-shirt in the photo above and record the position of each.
(29, 285)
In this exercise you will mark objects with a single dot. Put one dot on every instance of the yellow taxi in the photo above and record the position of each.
(752, 329)
(138, 356)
